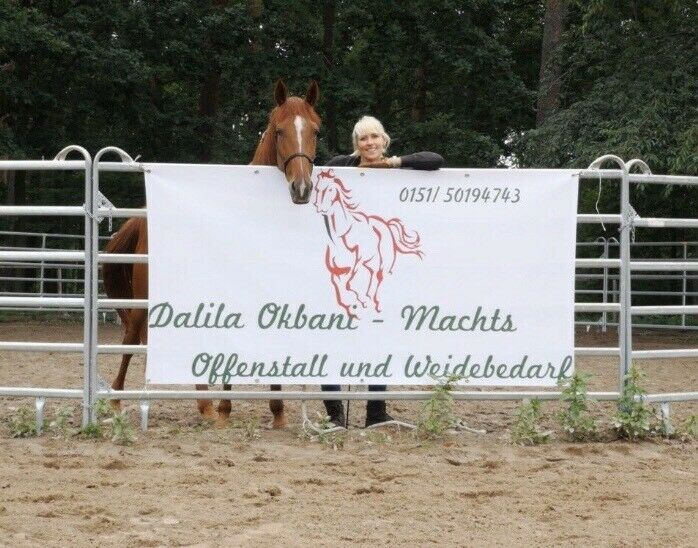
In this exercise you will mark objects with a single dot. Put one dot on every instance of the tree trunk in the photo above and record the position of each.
(209, 96)
(549, 80)
(419, 103)
(209, 100)
(329, 16)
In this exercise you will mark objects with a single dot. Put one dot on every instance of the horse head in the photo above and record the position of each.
(292, 138)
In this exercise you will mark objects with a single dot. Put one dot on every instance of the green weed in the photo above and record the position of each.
(60, 425)
(633, 419)
(575, 418)
(122, 431)
(23, 423)
(437, 412)
(92, 431)
(526, 430)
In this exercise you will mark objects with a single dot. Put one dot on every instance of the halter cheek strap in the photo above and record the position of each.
(298, 155)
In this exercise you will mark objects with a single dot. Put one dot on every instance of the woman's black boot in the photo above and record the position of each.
(376, 413)
(335, 409)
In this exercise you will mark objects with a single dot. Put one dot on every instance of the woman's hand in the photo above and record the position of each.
(393, 161)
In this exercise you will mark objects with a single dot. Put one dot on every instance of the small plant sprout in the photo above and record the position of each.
(688, 430)
(633, 419)
(60, 425)
(575, 418)
(23, 423)
(437, 412)
(122, 431)
(102, 409)
(526, 430)
(250, 429)
(323, 421)
(91, 431)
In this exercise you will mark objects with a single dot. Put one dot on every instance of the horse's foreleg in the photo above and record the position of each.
(277, 409)
(224, 408)
(205, 406)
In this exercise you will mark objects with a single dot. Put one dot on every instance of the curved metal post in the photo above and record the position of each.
(92, 277)
(625, 317)
(89, 390)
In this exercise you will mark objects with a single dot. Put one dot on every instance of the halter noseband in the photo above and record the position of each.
(298, 155)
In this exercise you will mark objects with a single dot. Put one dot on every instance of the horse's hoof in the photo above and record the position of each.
(209, 414)
(279, 423)
(221, 422)
(115, 405)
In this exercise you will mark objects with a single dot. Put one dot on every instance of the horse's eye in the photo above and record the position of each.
(279, 132)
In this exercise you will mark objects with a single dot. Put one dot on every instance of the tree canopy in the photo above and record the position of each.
(186, 81)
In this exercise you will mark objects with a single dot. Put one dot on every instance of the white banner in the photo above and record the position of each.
(385, 277)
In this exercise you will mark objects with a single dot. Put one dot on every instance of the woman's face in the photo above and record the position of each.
(371, 146)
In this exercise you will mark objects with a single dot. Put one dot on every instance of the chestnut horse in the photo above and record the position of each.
(289, 142)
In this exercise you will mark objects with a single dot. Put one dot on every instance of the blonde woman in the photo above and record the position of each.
(371, 144)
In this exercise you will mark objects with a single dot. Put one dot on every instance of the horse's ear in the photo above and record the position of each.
(313, 93)
(280, 92)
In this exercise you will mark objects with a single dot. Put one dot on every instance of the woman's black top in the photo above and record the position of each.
(419, 160)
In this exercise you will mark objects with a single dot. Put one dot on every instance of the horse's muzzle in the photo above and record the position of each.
(300, 191)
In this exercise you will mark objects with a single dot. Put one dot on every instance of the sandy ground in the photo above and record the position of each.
(186, 483)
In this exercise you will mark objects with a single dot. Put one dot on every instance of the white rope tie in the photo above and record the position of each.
(596, 206)
(628, 222)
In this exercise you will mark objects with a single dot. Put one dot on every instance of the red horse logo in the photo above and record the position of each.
(362, 248)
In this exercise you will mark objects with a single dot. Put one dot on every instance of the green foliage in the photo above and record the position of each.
(103, 409)
(575, 418)
(437, 412)
(375, 437)
(60, 425)
(91, 431)
(633, 419)
(122, 431)
(22, 424)
(526, 430)
(689, 429)
(250, 429)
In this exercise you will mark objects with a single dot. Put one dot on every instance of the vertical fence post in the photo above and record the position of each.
(625, 317)
(42, 270)
(87, 353)
(94, 267)
(604, 318)
(684, 284)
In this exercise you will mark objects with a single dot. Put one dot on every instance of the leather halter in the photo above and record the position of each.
(298, 155)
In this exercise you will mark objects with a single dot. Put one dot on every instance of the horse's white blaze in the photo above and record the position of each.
(298, 122)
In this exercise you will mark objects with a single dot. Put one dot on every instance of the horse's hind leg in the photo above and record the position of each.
(224, 408)
(277, 409)
(132, 336)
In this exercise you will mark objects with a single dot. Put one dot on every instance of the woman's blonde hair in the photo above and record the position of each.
(368, 124)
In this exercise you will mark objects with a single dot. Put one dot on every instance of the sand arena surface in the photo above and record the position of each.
(185, 483)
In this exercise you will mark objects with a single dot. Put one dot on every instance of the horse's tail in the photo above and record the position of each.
(117, 277)
(406, 242)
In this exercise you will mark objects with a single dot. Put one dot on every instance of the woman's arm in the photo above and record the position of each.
(422, 160)
(347, 160)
